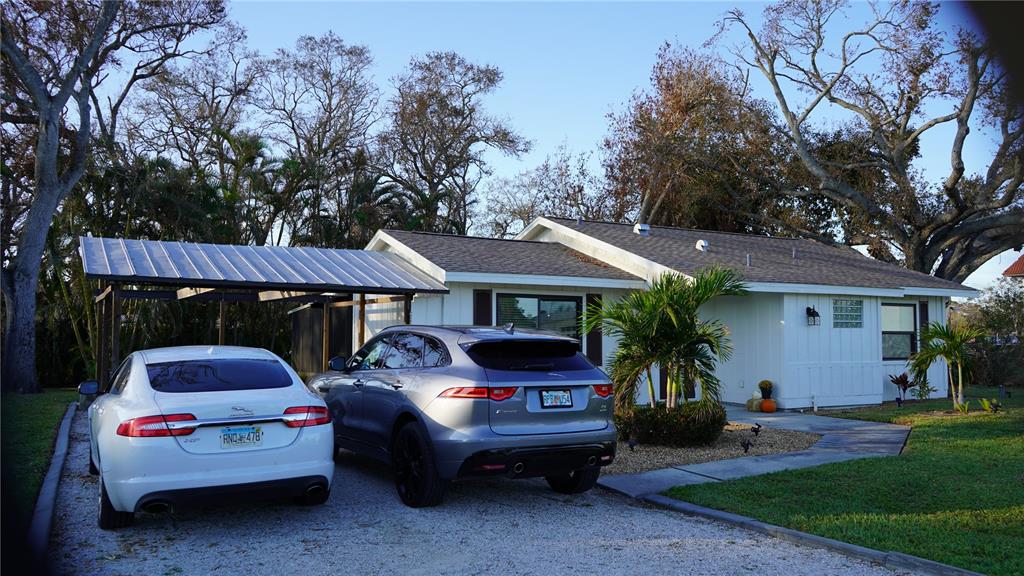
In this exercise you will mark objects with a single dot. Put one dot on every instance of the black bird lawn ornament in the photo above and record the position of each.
(747, 444)
(756, 429)
(632, 443)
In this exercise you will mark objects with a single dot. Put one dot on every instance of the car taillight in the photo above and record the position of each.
(603, 390)
(499, 394)
(152, 426)
(302, 416)
(503, 393)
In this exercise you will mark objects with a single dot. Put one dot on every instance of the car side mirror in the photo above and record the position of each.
(89, 388)
(337, 364)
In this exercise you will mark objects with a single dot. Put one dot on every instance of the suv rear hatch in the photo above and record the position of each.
(238, 403)
(554, 387)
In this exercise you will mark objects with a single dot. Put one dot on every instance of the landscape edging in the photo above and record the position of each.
(42, 515)
(895, 560)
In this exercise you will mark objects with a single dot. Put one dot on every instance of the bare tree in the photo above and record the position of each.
(48, 82)
(562, 186)
(434, 147)
(184, 111)
(890, 76)
(318, 103)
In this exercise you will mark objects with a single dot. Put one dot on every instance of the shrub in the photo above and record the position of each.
(688, 425)
(902, 382)
(922, 389)
(766, 387)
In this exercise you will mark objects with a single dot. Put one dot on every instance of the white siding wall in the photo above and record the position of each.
(830, 366)
(755, 324)
(771, 340)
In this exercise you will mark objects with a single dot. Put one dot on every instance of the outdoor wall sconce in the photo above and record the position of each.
(813, 318)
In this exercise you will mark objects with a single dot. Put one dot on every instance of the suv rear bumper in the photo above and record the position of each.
(537, 461)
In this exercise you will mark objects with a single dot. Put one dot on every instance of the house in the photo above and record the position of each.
(826, 324)
(1016, 270)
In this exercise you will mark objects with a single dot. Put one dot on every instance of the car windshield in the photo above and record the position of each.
(546, 355)
(217, 375)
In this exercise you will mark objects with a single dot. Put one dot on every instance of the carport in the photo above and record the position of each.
(227, 273)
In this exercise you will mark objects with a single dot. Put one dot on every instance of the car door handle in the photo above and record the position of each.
(396, 385)
(358, 382)
(325, 388)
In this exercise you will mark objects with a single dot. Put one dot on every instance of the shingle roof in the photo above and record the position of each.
(1016, 269)
(494, 256)
(771, 259)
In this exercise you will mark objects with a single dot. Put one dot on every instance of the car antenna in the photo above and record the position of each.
(510, 327)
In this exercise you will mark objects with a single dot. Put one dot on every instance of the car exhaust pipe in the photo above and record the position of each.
(315, 491)
(518, 468)
(592, 461)
(157, 507)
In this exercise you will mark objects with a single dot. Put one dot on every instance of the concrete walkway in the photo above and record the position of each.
(841, 440)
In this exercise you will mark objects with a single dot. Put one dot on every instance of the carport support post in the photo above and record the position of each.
(101, 337)
(362, 320)
(408, 308)
(326, 335)
(115, 326)
(220, 322)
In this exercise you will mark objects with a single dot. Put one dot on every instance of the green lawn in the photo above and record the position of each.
(29, 425)
(956, 494)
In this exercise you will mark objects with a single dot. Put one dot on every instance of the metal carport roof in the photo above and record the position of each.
(290, 268)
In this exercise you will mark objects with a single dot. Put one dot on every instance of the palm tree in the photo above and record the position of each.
(630, 320)
(662, 326)
(950, 343)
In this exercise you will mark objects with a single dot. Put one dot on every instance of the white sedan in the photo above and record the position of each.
(197, 424)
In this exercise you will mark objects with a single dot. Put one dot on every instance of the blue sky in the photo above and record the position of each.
(565, 65)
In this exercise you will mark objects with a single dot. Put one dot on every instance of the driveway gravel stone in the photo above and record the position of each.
(491, 526)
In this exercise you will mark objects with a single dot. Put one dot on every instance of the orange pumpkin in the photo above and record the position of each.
(768, 405)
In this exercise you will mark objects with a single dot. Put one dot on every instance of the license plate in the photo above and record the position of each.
(241, 437)
(555, 399)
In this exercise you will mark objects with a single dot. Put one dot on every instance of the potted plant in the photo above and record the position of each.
(766, 387)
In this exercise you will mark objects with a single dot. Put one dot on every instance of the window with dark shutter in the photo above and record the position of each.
(482, 315)
(595, 347)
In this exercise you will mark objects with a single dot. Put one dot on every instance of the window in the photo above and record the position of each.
(406, 352)
(847, 313)
(899, 335)
(557, 314)
(542, 355)
(370, 356)
(434, 353)
(117, 383)
(218, 375)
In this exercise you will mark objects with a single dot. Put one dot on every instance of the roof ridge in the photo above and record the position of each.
(466, 236)
(702, 230)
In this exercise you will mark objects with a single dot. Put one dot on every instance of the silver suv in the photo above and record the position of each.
(440, 403)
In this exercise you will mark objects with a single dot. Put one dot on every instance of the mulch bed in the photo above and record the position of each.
(729, 445)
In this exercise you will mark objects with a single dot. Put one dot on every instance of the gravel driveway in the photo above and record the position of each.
(490, 526)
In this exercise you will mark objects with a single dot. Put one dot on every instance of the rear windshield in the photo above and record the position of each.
(218, 375)
(547, 355)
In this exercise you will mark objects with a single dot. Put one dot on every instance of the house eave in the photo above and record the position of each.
(792, 288)
(545, 280)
